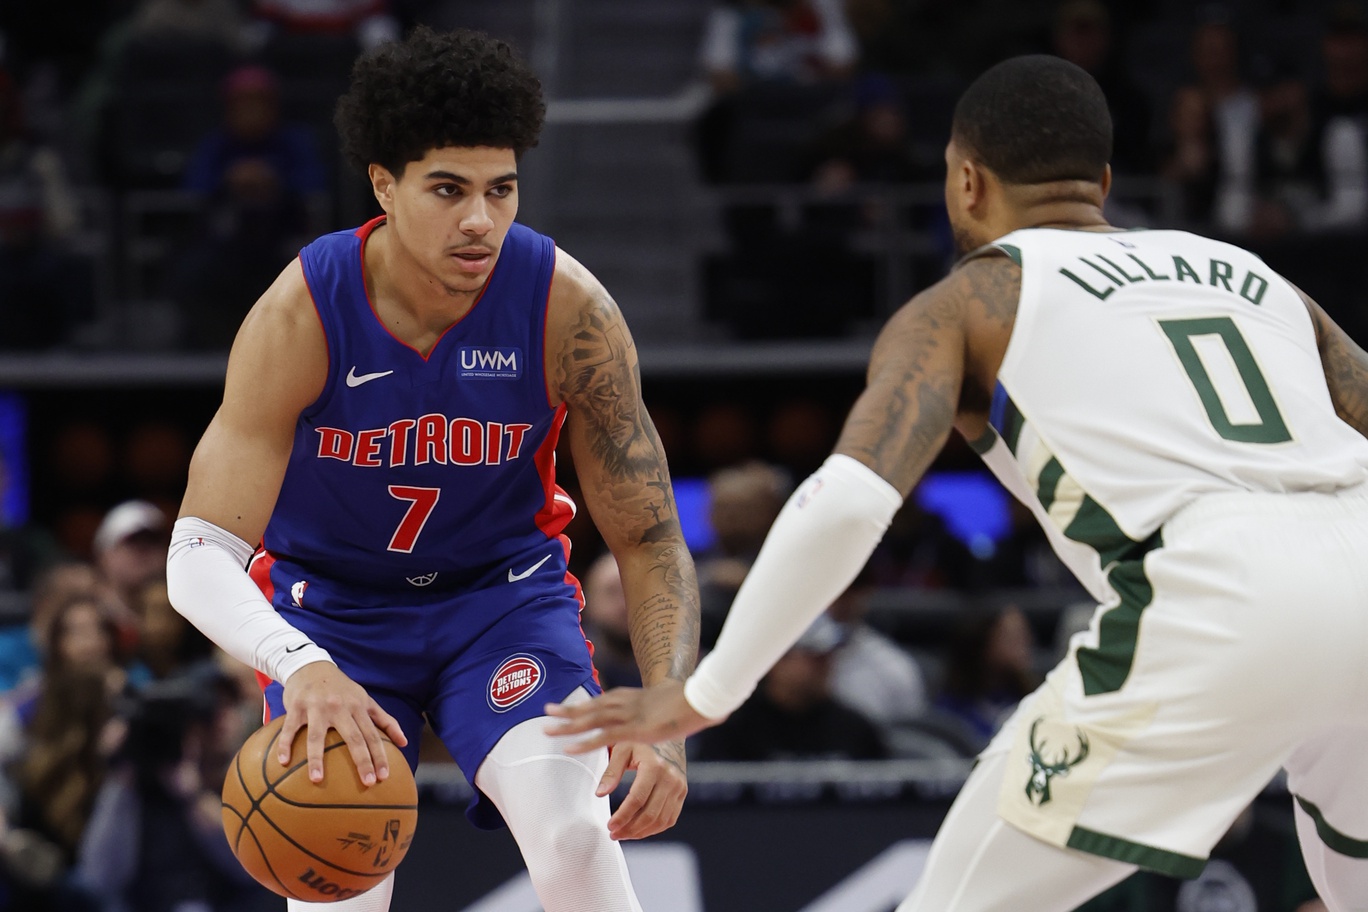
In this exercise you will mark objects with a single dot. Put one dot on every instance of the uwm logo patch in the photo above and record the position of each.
(491, 363)
(514, 681)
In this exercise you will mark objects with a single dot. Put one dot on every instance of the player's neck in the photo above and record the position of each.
(1059, 204)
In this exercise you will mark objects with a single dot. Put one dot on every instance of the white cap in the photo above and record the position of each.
(128, 518)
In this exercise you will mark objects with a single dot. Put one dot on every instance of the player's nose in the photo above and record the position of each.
(477, 220)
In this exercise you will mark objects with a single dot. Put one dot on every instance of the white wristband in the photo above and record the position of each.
(207, 583)
(812, 554)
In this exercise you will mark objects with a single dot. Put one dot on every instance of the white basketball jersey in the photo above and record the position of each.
(1145, 369)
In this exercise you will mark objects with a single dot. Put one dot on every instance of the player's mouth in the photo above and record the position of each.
(473, 260)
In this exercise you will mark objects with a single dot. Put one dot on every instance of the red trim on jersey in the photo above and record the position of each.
(259, 569)
(364, 233)
(558, 509)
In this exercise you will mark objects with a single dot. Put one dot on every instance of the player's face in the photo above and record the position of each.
(451, 210)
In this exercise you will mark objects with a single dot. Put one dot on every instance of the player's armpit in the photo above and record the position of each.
(1346, 367)
(917, 369)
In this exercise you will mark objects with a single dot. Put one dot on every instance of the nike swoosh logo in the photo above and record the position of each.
(514, 577)
(295, 648)
(354, 380)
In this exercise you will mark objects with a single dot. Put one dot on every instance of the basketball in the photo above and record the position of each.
(317, 842)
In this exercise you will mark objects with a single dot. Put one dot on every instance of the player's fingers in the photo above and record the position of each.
(617, 765)
(285, 740)
(630, 807)
(358, 745)
(613, 707)
(663, 796)
(317, 733)
(375, 746)
(388, 724)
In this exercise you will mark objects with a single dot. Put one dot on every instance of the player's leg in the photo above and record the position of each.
(978, 863)
(1328, 778)
(547, 798)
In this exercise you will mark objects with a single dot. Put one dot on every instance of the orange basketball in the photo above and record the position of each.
(318, 842)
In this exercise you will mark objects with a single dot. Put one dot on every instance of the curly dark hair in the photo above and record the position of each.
(438, 89)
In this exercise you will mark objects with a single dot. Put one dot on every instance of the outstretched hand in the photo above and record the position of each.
(651, 715)
(319, 697)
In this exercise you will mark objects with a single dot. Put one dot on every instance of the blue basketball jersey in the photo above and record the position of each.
(424, 471)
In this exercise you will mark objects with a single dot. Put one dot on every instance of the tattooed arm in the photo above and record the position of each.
(592, 367)
(1346, 368)
(832, 523)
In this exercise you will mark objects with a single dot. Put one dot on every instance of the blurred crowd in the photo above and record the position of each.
(172, 155)
(202, 129)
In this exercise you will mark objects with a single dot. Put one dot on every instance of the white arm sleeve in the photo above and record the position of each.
(206, 582)
(817, 545)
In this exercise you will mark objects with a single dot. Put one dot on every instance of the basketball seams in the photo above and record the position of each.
(261, 851)
(311, 854)
(280, 841)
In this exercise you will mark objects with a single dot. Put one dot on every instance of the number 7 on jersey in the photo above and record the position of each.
(420, 501)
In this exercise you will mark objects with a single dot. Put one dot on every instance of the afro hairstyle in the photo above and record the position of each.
(438, 89)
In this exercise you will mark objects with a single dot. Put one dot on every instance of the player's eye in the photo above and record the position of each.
(447, 190)
(502, 190)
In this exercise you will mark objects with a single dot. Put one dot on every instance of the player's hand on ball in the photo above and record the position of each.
(624, 714)
(653, 802)
(319, 697)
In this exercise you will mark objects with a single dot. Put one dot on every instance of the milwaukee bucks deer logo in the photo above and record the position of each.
(1043, 770)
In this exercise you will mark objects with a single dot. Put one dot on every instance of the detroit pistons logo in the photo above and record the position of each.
(514, 681)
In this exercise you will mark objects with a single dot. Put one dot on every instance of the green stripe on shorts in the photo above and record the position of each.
(1105, 668)
(1333, 838)
(1161, 861)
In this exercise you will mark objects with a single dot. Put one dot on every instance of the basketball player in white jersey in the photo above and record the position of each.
(1189, 429)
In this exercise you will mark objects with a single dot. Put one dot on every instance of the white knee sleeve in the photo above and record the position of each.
(547, 799)
(376, 899)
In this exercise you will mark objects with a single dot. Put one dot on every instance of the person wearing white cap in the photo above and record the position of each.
(130, 550)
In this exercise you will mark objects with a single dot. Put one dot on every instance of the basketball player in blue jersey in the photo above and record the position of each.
(1189, 429)
(388, 433)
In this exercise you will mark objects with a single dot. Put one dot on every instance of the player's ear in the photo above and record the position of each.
(973, 179)
(1106, 181)
(382, 184)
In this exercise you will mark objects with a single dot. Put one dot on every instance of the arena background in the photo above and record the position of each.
(758, 184)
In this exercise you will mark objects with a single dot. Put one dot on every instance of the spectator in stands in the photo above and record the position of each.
(1082, 35)
(755, 42)
(990, 667)
(45, 290)
(792, 713)
(370, 21)
(67, 735)
(1213, 122)
(1312, 154)
(920, 552)
(168, 645)
(155, 840)
(263, 185)
(776, 40)
(21, 647)
(743, 502)
(219, 20)
(605, 625)
(871, 673)
(130, 551)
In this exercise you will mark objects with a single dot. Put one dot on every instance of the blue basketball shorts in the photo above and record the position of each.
(473, 663)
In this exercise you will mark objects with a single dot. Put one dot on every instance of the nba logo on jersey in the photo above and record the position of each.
(514, 681)
(491, 363)
(297, 593)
